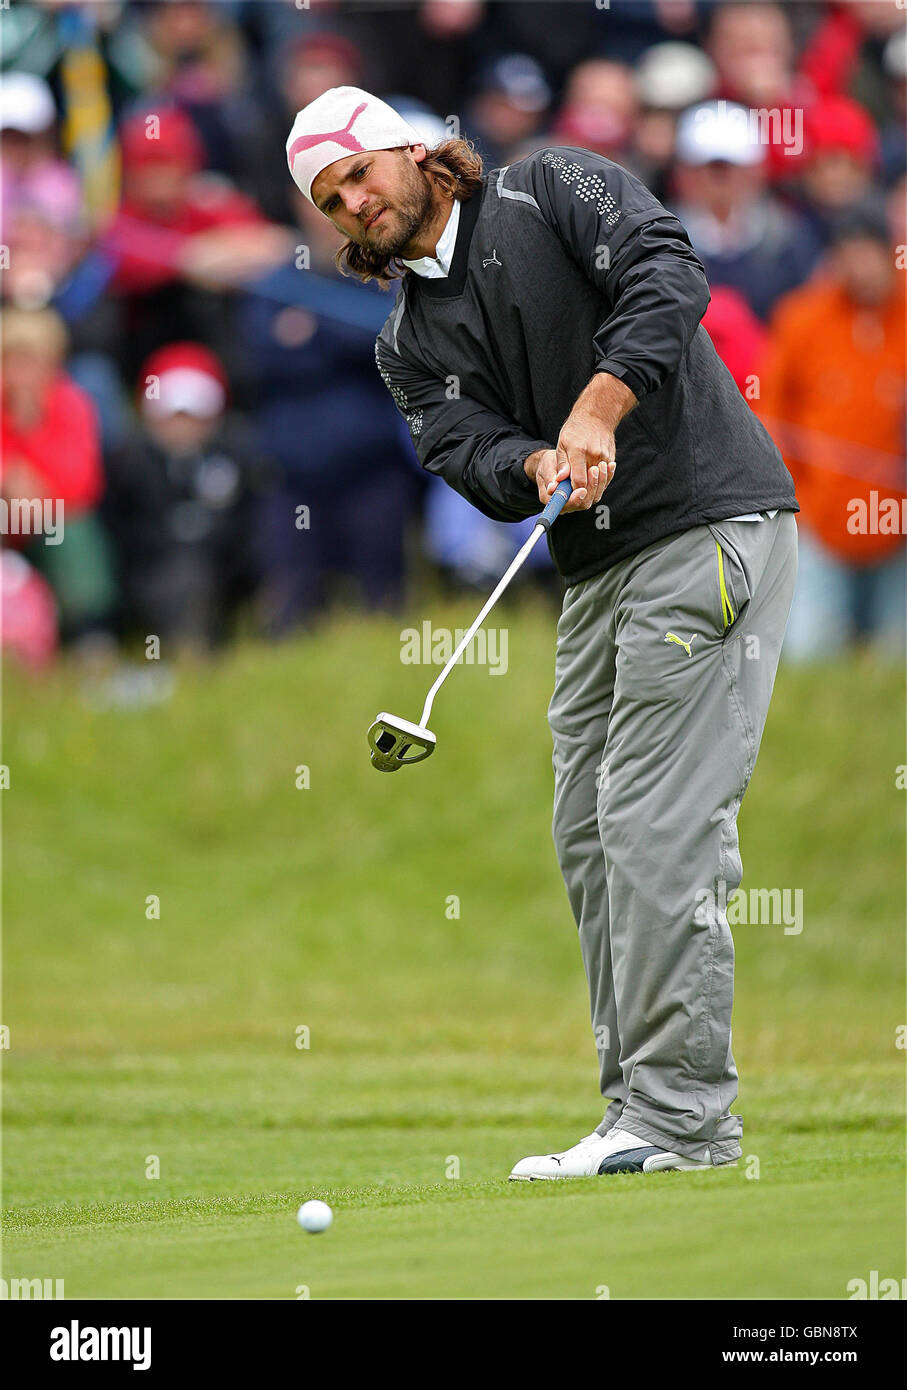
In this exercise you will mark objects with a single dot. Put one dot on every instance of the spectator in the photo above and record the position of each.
(42, 230)
(845, 54)
(181, 240)
(31, 172)
(28, 613)
(273, 28)
(197, 58)
(738, 335)
(316, 62)
(430, 48)
(752, 46)
(746, 238)
(179, 503)
(669, 77)
(348, 483)
(50, 453)
(511, 98)
(893, 138)
(833, 398)
(51, 264)
(37, 35)
(840, 155)
(203, 243)
(599, 110)
(44, 227)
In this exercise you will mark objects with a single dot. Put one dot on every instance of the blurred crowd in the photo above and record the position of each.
(184, 368)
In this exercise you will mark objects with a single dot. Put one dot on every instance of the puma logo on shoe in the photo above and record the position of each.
(672, 637)
(618, 1151)
(492, 259)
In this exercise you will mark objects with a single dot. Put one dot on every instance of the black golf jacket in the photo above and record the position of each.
(565, 265)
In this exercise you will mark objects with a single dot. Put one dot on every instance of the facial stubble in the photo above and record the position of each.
(412, 211)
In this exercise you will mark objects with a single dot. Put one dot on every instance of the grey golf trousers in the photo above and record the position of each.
(664, 673)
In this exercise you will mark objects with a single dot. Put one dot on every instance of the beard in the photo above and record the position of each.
(401, 222)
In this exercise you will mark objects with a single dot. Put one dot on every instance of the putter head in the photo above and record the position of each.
(396, 742)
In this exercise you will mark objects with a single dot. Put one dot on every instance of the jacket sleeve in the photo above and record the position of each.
(478, 452)
(633, 250)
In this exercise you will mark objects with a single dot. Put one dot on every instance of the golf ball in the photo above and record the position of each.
(314, 1217)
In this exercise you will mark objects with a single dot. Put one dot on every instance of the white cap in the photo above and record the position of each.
(189, 390)
(718, 130)
(673, 75)
(26, 103)
(894, 56)
(341, 122)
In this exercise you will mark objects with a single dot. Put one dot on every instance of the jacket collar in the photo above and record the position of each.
(453, 283)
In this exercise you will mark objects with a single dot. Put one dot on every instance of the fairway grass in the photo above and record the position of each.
(413, 935)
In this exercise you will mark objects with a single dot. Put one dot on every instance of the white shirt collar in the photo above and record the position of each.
(437, 267)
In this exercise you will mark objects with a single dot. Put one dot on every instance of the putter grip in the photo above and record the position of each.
(554, 508)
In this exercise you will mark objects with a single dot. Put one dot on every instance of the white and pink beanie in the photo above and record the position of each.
(341, 122)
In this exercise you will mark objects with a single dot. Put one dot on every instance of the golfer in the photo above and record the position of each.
(548, 326)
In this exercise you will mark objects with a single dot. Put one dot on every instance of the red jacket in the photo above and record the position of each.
(147, 254)
(63, 448)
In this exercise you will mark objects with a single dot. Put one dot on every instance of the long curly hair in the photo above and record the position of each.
(455, 166)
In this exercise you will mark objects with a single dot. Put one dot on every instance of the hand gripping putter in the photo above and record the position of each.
(395, 742)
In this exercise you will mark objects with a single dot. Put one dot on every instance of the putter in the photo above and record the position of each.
(397, 742)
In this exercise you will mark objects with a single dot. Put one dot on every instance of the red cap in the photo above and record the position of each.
(173, 140)
(312, 48)
(839, 123)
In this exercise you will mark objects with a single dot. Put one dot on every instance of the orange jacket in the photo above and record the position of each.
(832, 394)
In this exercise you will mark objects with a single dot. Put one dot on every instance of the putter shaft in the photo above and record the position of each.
(552, 511)
(390, 736)
(515, 564)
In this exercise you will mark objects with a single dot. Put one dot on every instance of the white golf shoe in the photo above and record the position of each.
(618, 1151)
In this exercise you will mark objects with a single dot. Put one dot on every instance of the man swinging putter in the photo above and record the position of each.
(567, 302)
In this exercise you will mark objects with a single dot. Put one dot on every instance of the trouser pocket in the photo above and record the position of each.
(732, 583)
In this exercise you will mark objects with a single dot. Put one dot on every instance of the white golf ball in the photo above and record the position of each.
(314, 1217)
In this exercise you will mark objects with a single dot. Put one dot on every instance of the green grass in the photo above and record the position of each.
(438, 1044)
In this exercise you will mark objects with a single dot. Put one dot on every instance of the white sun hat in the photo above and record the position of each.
(26, 103)
(718, 130)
